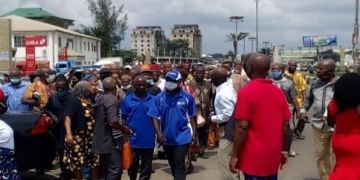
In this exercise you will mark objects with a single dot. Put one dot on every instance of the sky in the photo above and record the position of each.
(281, 22)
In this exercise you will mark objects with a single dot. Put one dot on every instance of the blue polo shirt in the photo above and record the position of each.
(174, 112)
(134, 111)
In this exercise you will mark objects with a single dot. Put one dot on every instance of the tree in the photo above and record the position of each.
(232, 37)
(217, 55)
(55, 21)
(127, 56)
(178, 47)
(108, 25)
(266, 51)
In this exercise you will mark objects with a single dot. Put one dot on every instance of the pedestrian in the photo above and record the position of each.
(159, 82)
(300, 86)
(151, 87)
(288, 88)
(320, 94)
(173, 113)
(8, 166)
(14, 91)
(343, 114)
(258, 150)
(108, 131)
(79, 130)
(204, 94)
(134, 108)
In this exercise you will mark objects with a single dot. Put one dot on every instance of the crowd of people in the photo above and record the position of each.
(243, 108)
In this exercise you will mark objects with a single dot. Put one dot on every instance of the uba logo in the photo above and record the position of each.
(36, 41)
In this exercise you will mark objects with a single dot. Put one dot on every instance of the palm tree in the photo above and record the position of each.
(232, 37)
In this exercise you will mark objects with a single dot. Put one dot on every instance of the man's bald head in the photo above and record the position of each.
(14, 72)
(219, 72)
(328, 63)
(109, 84)
(247, 57)
(259, 65)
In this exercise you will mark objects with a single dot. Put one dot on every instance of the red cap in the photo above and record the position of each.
(2, 96)
(188, 63)
(155, 67)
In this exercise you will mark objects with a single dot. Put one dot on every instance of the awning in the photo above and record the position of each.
(22, 63)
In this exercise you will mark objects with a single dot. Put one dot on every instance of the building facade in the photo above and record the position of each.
(191, 33)
(147, 39)
(83, 49)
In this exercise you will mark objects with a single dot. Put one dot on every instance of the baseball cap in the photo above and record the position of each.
(127, 67)
(173, 75)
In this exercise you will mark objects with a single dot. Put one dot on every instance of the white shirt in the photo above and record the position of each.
(6, 136)
(161, 84)
(224, 103)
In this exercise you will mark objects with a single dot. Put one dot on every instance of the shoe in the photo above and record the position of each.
(292, 153)
(298, 135)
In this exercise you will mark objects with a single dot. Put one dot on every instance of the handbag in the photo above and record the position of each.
(46, 121)
(200, 120)
(126, 155)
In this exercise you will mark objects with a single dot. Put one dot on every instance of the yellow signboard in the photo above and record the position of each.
(5, 44)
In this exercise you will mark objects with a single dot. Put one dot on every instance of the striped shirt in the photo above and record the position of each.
(14, 94)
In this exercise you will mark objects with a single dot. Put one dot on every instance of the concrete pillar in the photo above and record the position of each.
(342, 58)
(50, 49)
(276, 54)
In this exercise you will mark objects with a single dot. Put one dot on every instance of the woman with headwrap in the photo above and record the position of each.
(79, 125)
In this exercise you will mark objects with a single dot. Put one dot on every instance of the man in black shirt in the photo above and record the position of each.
(107, 119)
(151, 87)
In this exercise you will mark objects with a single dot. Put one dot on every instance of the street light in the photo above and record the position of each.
(245, 35)
(257, 25)
(236, 20)
(252, 39)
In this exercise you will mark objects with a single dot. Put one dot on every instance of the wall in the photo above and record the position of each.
(5, 43)
(57, 40)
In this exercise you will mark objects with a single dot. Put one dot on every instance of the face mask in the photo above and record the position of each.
(50, 79)
(62, 93)
(275, 74)
(126, 87)
(15, 80)
(171, 85)
(150, 81)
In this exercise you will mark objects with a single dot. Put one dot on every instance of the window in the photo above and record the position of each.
(142, 40)
(71, 43)
(180, 35)
(179, 31)
(187, 35)
(153, 32)
(148, 36)
(142, 45)
(84, 46)
(19, 41)
(142, 36)
(136, 41)
(142, 49)
(59, 40)
(174, 36)
(88, 46)
(135, 36)
(135, 45)
(191, 31)
(148, 45)
(92, 47)
(148, 40)
(148, 49)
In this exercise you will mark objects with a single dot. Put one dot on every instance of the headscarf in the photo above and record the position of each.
(81, 89)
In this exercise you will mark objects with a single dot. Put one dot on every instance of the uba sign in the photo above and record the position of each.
(36, 41)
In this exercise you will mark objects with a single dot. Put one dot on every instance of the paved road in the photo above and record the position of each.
(301, 167)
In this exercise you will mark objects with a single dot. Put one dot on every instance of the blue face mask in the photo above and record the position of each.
(275, 74)
(62, 93)
(150, 81)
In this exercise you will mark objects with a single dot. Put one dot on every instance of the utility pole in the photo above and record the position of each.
(257, 25)
(252, 39)
(246, 35)
(236, 20)
(356, 37)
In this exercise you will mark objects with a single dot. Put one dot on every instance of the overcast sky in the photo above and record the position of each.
(280, 21)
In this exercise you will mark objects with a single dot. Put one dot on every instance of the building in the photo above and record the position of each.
(147, 38)
(40, 15)
(190, 32)
(49, 40)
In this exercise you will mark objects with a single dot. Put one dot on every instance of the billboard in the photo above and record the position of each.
(5, 45)
(318, 41)
(38, 41)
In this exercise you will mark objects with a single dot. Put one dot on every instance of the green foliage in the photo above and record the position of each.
(266, 51)
(234, 38)
(328, 54)
(55, 21)
(127, 56)
(178, 47)
(217, 55)
(109, 24)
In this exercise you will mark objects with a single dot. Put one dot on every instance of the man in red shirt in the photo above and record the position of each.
(262, 131)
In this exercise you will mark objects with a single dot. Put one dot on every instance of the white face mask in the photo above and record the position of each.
(126, 87)
(171, 85)
(50, 79)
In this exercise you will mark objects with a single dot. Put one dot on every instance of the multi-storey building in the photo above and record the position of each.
(147, 38)
(190, 32)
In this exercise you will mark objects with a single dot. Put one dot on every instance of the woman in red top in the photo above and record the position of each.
(344, 115)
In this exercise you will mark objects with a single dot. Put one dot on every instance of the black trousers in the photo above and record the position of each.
(145, 156)
(44, 150)
(300, 126)
(176, 158)
(203, 135)
(112, 162)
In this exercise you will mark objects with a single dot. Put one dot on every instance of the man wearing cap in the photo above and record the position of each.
(148, 74)
(159, 82)
(173, 112)
(127, 69)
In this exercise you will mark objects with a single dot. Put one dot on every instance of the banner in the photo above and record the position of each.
(318, 41)
(37, 41)
(30, 65)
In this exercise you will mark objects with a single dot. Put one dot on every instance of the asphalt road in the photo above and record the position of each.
(301, 167)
